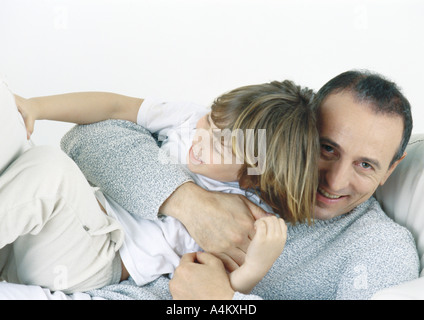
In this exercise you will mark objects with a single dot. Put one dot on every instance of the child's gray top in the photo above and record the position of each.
(348, 257)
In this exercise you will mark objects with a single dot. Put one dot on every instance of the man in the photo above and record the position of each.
(364, 124)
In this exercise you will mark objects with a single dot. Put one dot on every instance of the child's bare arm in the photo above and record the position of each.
(265, 248)
(78, 107)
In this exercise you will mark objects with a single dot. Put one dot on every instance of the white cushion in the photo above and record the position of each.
(13, 139)
(411, 290)
(402, 196)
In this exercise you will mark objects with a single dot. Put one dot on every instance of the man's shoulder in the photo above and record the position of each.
(375, 227)
(384, 247)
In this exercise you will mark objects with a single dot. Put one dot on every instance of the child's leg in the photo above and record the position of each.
(60, 237)
(13, 139)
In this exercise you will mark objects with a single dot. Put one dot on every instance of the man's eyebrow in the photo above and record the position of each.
(373, 162)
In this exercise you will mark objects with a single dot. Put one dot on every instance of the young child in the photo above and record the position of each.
(259, 140)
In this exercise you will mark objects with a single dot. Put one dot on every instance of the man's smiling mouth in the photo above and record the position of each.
(327, 195)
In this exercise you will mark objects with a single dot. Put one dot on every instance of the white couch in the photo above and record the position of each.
(402, 198)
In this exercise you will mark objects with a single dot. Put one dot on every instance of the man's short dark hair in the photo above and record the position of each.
(369, 87)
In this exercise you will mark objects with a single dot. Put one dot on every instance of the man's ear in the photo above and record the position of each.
(391, 169)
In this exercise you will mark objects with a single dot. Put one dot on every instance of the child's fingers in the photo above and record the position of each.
(282, 226)
(26, 114)
(29, 124)
(282, 229)
(271, 228)
(261, 228)
(276, 228)
(270, 224)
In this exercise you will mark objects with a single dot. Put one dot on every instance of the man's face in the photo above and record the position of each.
(357, 146)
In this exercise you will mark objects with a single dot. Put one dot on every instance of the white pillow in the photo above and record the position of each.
(13, 139)
(402, 196)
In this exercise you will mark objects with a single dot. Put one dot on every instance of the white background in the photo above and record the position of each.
(197, 49)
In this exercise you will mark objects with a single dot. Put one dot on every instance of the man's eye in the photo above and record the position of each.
(327, 148)
(365, 165)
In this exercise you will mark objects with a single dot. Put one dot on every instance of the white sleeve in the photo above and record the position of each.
(12, 291)
(159, 116)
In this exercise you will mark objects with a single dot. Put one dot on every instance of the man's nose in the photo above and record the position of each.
(336, 175)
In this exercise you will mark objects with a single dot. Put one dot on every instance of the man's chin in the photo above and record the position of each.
(325, 213)
(323, 216)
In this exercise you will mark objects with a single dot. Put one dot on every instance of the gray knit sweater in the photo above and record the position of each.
(348, 257)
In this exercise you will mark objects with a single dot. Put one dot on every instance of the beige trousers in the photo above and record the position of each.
(52, 230)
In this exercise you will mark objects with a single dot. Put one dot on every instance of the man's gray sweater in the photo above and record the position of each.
(348, 257)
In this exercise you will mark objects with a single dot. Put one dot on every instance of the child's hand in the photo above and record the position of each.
(264, 249)
(28, 110)
(267, 244)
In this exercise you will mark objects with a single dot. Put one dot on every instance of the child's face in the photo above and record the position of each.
(211, 153)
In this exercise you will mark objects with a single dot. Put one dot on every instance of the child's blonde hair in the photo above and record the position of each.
(289, 180)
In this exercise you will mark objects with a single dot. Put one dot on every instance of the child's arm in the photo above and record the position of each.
(79, 107)
(266, 246)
